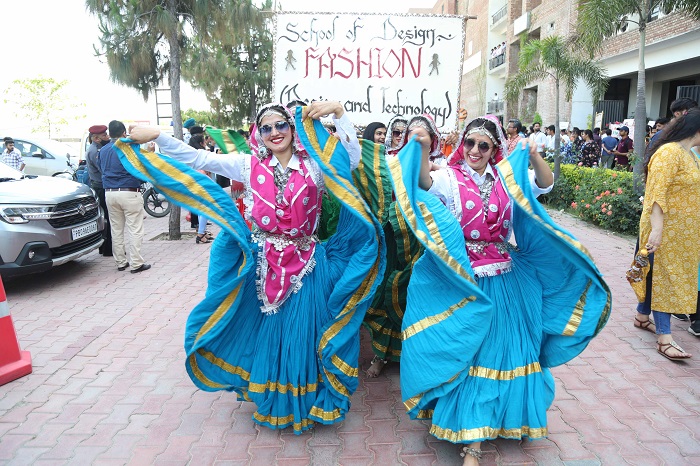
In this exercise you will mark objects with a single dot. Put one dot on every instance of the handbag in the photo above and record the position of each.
(637, 274)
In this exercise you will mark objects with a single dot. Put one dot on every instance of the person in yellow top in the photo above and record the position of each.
(670, 227)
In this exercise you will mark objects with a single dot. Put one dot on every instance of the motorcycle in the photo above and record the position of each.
(155, 203)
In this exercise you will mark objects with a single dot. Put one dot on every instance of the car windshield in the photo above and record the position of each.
(7, 172)
(58, 149)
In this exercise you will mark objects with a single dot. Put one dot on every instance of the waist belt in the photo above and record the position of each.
(122, 189)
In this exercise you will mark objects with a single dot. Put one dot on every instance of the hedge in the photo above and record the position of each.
(601, 196)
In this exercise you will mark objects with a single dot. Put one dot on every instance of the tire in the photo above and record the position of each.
(155, 203)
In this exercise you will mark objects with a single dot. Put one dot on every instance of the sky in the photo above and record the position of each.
(55, 39)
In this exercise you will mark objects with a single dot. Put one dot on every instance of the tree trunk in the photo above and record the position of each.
(640, 112)
(174, 232)
(253, 97)
(557, 135)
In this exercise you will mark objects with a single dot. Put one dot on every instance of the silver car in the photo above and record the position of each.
(45, 222)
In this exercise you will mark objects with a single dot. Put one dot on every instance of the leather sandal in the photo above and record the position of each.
(662, 349)
(644, 325)
(202, 239)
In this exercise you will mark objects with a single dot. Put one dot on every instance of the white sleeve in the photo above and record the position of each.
(228, 165)
(536, 190)
(441, 187)
(348, 137)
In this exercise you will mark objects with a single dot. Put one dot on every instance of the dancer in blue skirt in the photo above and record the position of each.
(486, 319)
(280, 321)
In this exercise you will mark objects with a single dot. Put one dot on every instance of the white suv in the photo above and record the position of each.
(46, 157)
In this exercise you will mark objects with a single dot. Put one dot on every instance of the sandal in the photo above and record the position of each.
(202, 239)
(668, 346)
(471, 452)
(375, 360)
(644, 325)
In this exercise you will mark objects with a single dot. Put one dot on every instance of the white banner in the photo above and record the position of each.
(377, 65)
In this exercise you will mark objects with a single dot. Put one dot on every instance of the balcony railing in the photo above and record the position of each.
(499, 14)
(497, 61)
(496, 106)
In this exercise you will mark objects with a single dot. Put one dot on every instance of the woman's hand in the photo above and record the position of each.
(144, 134)
(654, 241)
(657, 228)
(422, 137)
(452, 138)
(319, 109)
(533, 148)
(543, 174)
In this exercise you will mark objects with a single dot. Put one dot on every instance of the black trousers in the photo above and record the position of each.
(106, 248)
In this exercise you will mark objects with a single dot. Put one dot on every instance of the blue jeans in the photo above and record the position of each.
(202, 225)
(662, 320)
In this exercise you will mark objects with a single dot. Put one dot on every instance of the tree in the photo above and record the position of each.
(202, 117)
(233, 66)
(45, 101)
(553, 57)
(600, 19)
(143, 42)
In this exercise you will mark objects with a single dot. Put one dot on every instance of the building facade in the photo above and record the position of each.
(495, 29)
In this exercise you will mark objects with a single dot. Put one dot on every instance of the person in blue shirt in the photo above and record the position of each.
(125, 204)
(609, 144)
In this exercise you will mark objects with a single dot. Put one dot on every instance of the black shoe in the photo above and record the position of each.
(694, 328)
(681, 317)
(142, 268)
(121, 269)
(194, 227)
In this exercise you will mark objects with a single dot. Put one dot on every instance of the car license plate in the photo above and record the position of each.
(84, 230)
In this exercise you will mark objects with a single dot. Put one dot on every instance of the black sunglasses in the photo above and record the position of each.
(483, 146)
(396, 133)
(281, 127)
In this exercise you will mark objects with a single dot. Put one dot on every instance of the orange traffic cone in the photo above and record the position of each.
(14, 363)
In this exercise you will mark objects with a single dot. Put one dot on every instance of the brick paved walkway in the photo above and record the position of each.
(109, 385)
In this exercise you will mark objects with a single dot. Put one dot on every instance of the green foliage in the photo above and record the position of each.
(593, 26)
(537, 119)
(202, 117)
(600, 196)
(599, 20)
(44, 101)
(224, 46)
(555, 57)
(233, 66)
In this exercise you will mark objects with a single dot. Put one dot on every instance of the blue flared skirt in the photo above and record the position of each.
(507, 392)
(278, 353)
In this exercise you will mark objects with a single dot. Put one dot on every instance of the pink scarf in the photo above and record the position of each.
(287, 226)
(485, 229)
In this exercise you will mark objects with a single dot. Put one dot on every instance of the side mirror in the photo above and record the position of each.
(38, 155)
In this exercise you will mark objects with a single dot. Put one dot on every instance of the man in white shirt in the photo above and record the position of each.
(11, 156)
(538, 138)
(550, 137)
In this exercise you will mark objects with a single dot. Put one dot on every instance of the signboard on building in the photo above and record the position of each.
(376, 65)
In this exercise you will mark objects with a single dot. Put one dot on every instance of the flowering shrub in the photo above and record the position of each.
(601, 196)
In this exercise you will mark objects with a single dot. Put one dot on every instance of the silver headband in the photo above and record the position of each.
(272, 111)
(420, 123)
(482, 131)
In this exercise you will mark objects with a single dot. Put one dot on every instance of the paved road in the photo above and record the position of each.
(109, 385)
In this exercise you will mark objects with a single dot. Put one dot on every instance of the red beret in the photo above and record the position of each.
(97, 129)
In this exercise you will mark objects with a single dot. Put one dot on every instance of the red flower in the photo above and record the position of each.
(609, 212)
(574, 205)
(588, 206)
(619, 190)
